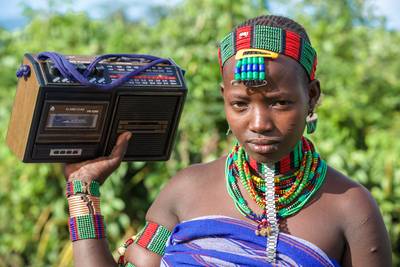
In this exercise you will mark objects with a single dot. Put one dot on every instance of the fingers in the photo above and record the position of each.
(121, 145)
(100, 167)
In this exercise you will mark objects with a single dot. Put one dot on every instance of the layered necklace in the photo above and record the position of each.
(280, 189)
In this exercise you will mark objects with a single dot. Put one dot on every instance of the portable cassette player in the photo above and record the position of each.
(73, 108)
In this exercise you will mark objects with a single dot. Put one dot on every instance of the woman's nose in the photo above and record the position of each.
(260, 120)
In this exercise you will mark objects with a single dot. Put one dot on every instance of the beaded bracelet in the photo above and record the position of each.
(89, 226)
(78, 186)
(83, 204)
(86, 221)
(122, 250)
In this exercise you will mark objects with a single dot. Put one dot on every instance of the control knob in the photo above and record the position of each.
(53, 70)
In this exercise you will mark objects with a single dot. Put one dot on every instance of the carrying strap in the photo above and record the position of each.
(68, 70)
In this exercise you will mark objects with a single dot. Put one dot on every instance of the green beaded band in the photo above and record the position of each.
(153, 237)
(78, 186)
(269, 38)
(90, 226)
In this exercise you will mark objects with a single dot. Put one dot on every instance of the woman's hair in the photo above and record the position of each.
(278, 21)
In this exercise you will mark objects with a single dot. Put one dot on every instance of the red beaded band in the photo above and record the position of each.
(269, 38)
(153, 237)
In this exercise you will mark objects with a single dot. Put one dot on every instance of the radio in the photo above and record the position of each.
(72, 108)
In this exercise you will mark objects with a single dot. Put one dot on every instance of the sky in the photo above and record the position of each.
(11, 13)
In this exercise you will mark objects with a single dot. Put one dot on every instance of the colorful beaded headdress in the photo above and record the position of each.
(251, 44)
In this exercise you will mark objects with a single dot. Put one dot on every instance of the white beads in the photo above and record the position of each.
(272, 239)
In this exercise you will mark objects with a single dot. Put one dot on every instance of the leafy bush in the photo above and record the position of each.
(357, 133)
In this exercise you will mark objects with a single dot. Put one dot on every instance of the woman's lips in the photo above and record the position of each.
(263, 147)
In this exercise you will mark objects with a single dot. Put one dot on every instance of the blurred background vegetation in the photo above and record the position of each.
(358, 130)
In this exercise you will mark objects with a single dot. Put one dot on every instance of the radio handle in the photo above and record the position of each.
(68, 70)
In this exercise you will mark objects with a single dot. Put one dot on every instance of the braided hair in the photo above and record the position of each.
(279, 22)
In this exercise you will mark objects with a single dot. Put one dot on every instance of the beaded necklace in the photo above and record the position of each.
(280, 189)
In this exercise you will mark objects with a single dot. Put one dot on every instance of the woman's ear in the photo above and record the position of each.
(221, 88)
(314, 93)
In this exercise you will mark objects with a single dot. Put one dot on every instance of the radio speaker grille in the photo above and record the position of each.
(150, 118)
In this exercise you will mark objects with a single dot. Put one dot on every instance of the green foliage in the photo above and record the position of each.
(357, 131)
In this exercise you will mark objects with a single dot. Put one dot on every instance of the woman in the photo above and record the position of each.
(272, 200)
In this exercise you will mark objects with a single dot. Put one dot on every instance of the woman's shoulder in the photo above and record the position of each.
(350, 200)
(199, 173)
(345, 189)
(183, 187)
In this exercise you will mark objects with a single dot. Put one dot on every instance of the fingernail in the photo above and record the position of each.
(128, 136)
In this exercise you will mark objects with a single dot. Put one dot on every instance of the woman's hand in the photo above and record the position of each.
(99, 169)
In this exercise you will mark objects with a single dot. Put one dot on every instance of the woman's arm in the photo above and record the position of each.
(368, 242)
(95, 252)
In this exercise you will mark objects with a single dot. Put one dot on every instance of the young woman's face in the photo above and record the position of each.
(269, 120)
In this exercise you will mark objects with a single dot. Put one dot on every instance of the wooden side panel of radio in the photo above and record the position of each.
(22, 112)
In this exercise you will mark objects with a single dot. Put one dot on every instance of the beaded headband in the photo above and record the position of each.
(251, 44)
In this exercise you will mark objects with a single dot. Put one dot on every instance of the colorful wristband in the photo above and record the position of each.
(78, 186)
(90, 226)
(122, 250)
(83, 205)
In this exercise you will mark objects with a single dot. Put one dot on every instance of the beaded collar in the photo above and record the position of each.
(252, 43)
(288, 164)
(281, 189)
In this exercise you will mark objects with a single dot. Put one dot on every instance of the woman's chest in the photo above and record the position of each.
(316, 223)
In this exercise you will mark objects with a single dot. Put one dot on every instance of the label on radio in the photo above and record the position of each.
(64, 120)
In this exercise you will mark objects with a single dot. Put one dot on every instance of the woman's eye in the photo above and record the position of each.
(239, 105)
(282, 103)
